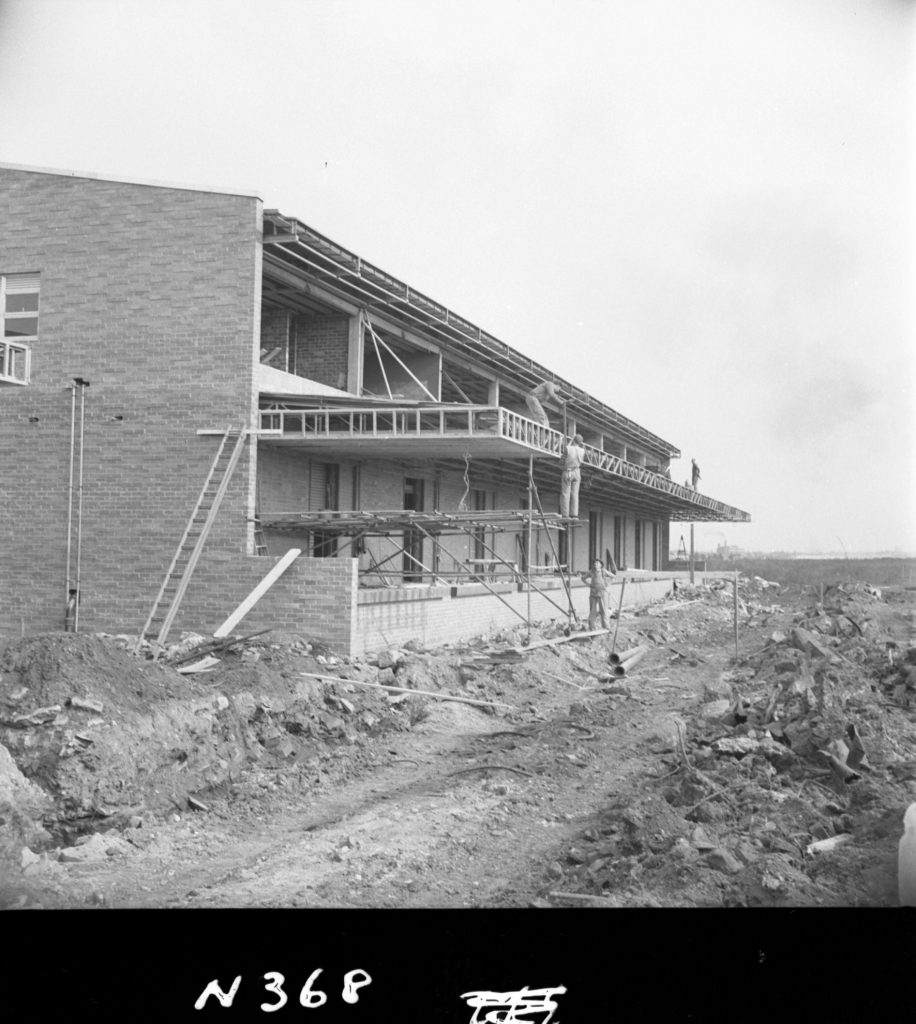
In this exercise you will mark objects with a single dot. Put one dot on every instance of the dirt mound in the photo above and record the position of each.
(108, 734)
(51, 668)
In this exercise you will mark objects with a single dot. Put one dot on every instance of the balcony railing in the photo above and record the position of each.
(468, 421)
(413, 422)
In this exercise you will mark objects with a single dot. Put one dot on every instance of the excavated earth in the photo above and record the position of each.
(777, 778)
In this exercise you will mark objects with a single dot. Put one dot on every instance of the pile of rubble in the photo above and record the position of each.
(96, 736)
(803, 747)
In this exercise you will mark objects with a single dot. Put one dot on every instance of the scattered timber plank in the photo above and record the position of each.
(584, 898)
(553, 641)
(563, 679)
(408, 690)
(204, 665)
(87, 704)
(212, 646)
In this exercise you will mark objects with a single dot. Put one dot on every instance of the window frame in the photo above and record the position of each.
(18, 343)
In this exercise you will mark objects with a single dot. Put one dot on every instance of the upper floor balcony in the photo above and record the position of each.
(483, 431)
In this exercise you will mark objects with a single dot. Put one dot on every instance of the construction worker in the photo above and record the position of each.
(573, 455)
(694, 473)
(547, 390)
(597, 581)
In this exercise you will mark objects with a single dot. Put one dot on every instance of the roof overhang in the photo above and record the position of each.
(293, 248)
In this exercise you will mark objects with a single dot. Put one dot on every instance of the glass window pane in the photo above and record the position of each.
(17, 364)
(25, 303)
(21, 327)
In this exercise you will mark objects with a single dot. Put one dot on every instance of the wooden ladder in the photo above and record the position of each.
(260, 541)
(192, 542)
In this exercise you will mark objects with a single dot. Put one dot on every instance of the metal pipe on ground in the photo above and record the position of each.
(617, 659)
(631, 663)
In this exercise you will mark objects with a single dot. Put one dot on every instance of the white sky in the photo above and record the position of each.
(701, 211)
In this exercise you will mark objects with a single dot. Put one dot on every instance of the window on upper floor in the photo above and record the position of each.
(19, 310)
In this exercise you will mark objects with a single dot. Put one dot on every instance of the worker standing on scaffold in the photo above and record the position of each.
(543, 392)
(573, 453)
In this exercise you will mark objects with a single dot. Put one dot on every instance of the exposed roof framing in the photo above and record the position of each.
(303, 251)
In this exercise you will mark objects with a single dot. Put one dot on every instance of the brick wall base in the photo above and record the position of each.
(445, 619)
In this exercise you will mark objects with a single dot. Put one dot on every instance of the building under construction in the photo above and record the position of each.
(193, 387)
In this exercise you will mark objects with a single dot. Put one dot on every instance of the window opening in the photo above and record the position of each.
(326, 481)
(413, 539)
(618, 542)
(19, 311)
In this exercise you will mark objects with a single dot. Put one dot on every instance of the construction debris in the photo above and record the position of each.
(779, 778)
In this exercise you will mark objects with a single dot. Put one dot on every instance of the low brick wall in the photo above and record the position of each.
(319, 599)
(441, 618)
(315, 597)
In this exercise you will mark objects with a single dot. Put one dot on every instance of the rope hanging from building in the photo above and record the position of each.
(463, 504)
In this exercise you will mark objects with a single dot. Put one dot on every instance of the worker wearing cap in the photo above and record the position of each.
(597, 581)
(694, 473)
(573, 455)
(543, 392)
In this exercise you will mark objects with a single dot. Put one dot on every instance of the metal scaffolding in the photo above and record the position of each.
(400, 527)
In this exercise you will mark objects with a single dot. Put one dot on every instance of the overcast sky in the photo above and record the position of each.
(701, 211)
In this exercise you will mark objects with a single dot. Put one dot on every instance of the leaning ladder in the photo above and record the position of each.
(192, 542)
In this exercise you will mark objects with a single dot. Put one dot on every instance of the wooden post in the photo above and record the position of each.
(736, 615)
(528, 557)
(623, 584)
(691, 553)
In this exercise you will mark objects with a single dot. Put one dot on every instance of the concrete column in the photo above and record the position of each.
(355, 356)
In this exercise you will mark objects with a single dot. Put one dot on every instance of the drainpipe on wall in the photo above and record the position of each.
(68, 596)
(71, 618)
(79, 504)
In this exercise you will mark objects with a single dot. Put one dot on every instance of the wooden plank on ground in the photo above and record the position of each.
(553, 641)
(407, 689)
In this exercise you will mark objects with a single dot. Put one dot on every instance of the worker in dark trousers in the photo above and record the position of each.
(573, 456)
(695, 473)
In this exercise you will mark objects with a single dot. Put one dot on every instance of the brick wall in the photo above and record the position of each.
(152, 294)
(315, 597)
(283, 479)
(446, 619)
(322, 347)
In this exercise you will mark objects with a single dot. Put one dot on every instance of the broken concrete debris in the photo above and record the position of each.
(787, 735)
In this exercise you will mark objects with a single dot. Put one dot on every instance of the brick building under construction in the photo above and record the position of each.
(191, 386)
